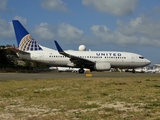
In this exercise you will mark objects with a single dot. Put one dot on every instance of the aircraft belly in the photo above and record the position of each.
(126, 64)
(58, 63)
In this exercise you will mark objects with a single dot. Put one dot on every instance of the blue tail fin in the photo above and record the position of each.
(24, 39)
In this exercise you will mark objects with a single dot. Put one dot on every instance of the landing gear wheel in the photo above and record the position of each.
(133, 71)
(81, 70)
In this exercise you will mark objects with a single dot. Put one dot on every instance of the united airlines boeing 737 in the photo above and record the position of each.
(29, 49)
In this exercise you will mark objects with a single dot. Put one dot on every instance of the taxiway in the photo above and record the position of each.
(53, 75)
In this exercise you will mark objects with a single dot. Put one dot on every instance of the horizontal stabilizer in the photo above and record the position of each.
(17, 50)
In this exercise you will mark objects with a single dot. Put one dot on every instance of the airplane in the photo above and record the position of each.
(141, 70)
(154, 69)
(67, 69)
(29, 49)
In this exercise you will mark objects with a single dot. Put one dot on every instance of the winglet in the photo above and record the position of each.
(60, 50)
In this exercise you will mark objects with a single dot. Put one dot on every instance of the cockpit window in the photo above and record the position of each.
(141, 57)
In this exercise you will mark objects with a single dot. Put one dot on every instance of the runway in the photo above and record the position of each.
(53, 75)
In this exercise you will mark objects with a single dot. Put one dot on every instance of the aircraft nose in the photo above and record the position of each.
(148, 62)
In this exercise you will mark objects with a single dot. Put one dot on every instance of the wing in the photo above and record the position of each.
(78, 61)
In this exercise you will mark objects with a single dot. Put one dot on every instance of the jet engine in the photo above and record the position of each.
(102, 66)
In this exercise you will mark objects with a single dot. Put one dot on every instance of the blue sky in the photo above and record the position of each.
(124, 25)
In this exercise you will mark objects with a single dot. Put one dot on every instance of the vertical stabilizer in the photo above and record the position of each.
(24, 39)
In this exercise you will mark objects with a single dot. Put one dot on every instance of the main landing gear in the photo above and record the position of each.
(81, 70)
(133, 71)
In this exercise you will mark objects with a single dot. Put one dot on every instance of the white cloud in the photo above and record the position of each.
(63, 31)
(6, 30)
(3, 4)
(105, 35)
(142, 26)
(142, 30)
(54, 5)
(45, 31)
(22, 20)
(115, 7)
(68, 32)
(139, 31)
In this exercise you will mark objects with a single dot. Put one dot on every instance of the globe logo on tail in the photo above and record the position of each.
(29, 44)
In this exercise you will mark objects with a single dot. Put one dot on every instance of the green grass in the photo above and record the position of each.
(89, 98)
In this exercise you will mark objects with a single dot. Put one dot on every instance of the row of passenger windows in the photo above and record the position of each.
(58, 56)
(88, 57)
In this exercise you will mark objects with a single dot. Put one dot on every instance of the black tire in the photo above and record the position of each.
(133, 71)
(81, 71)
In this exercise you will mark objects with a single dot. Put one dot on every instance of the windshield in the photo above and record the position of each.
(141, 57)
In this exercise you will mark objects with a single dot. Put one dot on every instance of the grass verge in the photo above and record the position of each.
(81, 99)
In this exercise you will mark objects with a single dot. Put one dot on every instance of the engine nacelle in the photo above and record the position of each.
(102, 66)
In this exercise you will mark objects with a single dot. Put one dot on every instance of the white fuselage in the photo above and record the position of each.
(115, 58)
(93, 60)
